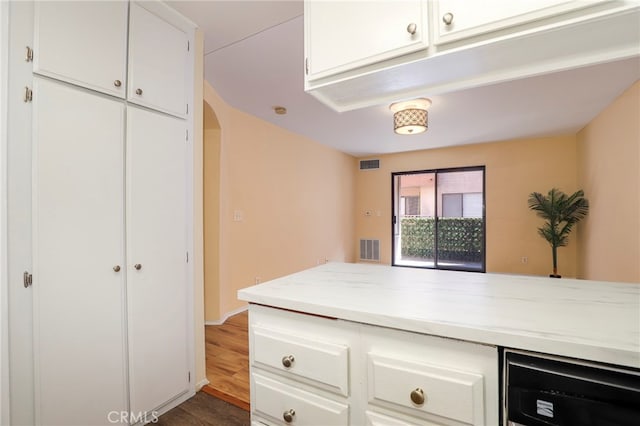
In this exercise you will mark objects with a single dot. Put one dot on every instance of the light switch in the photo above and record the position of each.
(238, 216)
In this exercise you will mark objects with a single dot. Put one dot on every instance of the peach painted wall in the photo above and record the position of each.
(293, 198)
(211, 198)
(609, 172)
(514, 169)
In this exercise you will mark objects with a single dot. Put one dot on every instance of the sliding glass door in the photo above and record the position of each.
(438, 219)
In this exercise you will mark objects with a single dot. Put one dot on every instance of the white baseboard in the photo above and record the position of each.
(202, 383)
(226, 316)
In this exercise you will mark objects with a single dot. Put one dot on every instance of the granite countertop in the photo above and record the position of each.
(592, 320)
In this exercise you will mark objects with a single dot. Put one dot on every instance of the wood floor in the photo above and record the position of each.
(227, 350)
(204, 410)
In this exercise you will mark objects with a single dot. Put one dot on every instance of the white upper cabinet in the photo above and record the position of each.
(361, 53)
(343, 35)
(458, 19)
(158, 54)
(83, 43)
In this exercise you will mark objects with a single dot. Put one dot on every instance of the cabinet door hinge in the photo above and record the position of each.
(189, 376)
(29, 56)
(187, 109)
(28, 94)
(188, 46)
(28, 279)
(306, 66)
(186, 135)
(187, 257)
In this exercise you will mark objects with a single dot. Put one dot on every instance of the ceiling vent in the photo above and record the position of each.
(369, 164)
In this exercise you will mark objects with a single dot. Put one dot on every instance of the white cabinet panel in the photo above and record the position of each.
(83, 43)
(446, 392)
(377, 419)
(78, 223)
(275, 400)
(344, 35)
(312, 358)
(156, 242)
(458, 19)
(459, 379)
(157, 62)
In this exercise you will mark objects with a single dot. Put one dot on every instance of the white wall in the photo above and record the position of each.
(4, 331)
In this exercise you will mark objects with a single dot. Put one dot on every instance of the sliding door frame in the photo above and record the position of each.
(395, 213)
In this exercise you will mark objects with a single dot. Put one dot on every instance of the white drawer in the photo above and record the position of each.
(377, 419)
(449, 393)
(273, 399)
(322, 362)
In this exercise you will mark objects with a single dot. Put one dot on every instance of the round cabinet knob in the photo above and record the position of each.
(447, 18)
(117, 83)
(138, 92)
(137, 266)
(116, 268)
(412, 28)
(288, 415)
(417, 396)
(287, 360)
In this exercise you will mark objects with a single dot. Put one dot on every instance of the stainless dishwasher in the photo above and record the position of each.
(542, 390)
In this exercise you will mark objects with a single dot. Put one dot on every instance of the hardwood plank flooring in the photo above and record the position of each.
(204, 410)
(227, 352)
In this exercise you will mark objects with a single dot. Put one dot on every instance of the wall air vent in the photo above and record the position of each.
(369, 164)
(370, 250)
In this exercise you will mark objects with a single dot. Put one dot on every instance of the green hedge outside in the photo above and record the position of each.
(459, 239)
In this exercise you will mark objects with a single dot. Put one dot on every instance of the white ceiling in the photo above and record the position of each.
(254, 58)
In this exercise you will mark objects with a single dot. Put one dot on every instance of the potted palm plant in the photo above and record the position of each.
(560, 212)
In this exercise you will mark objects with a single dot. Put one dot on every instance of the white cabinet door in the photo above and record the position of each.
(83, 43)
(458, 19)
(156, 242)
(157, 62)
(279, 401)
(344, 35)
(78, 223)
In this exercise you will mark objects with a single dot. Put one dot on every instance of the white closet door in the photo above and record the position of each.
(157, 62)
(82, 42)
(78, 221)
(156, 242)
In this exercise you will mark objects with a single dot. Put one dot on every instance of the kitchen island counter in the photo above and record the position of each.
(591, 320)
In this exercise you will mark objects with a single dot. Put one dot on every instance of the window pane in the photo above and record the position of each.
(460, 226)
(451, 205)
(472, 204)
(415, 223)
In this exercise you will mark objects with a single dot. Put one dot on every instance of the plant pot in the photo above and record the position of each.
(555, 276)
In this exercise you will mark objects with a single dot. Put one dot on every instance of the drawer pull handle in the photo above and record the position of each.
(412, 28)
(288, 415)
(287, 360)
(417, 396)
(447, 18)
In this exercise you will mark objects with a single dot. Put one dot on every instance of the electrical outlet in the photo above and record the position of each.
(238, 216)
(524, 259)
(258, 280)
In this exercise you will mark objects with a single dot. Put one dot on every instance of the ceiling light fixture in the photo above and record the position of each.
(280, 110)
(410, 117)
